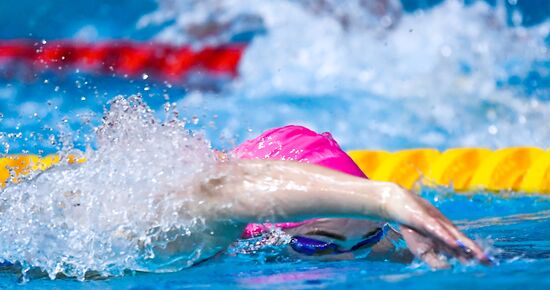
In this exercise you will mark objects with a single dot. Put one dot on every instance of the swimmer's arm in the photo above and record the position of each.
(261, 190)
(278, 191)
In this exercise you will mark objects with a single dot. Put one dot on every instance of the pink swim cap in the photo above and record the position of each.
(299, 144)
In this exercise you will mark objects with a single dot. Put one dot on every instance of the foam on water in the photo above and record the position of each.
(454, 75)
(110, 213)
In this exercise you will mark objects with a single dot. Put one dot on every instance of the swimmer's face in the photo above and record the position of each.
(341, 231)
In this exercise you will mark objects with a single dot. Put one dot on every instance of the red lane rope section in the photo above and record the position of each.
(123, 57)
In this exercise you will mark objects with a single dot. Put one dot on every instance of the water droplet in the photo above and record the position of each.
(51, 139)
(83, 98)
(493, 130)
(491, 114)
(146, 88)
(446, 51)
(144, 76)
(517, 18)
(386, 21)
(194, 120)
(44, 41)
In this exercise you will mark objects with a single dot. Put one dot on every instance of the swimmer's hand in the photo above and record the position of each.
(429, 233)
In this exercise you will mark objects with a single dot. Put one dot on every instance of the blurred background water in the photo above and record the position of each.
(387, 75)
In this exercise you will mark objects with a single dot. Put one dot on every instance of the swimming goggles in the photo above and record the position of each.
(313, 247)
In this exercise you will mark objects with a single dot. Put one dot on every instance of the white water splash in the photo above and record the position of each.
(386, 79)
(109, 214)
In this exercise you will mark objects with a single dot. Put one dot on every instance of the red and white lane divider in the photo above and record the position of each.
(123, 58)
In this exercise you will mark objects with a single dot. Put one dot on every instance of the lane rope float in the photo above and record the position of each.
(14, 166)
(522, 169)
(124, 58)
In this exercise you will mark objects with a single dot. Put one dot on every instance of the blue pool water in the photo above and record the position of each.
(420, 74)
(519, 239)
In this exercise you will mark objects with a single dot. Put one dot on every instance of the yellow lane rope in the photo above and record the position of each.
(523, 169)
(16, 165)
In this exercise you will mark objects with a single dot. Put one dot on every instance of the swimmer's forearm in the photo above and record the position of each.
(278, 191)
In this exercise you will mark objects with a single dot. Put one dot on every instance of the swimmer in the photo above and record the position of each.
(331, 238)
(245, 191)
(313, 179)
(170, 215)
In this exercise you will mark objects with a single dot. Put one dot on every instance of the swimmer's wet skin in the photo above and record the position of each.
(312, 238)
(273, 191)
